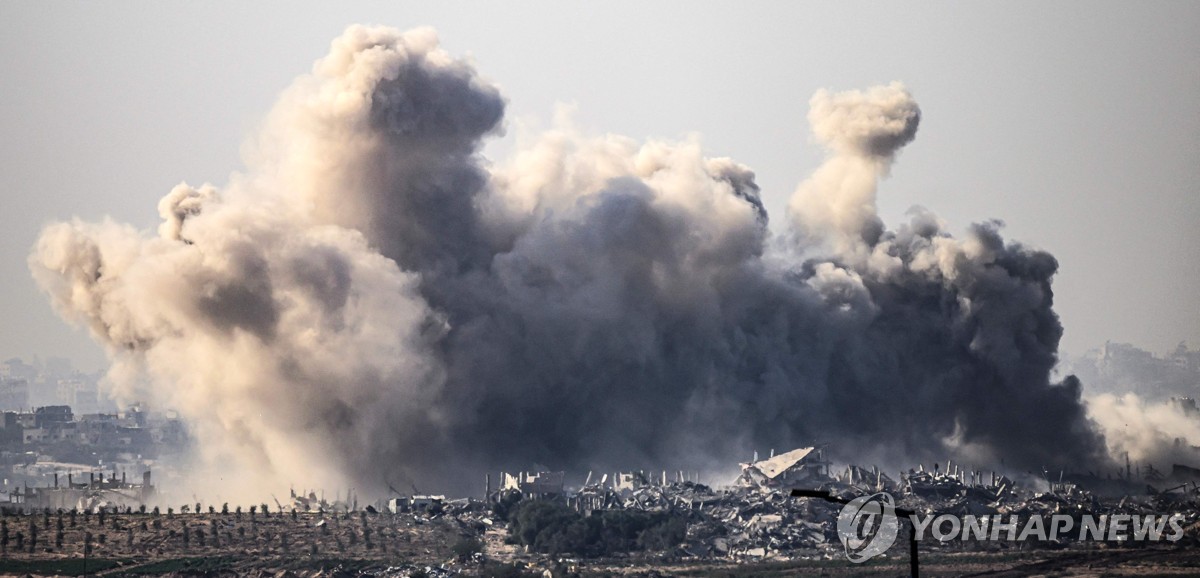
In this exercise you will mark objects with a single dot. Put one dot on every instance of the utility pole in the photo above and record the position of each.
(913, 564)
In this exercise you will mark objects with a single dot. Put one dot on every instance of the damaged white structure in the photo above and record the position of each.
(539, 485)
(792, 468)
(98, 492)
(415, 503)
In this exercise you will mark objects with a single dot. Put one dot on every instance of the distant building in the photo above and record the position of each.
(35, 435)
(79, 392)
(26, 419)
(65, 391)
(52, 415)
(16, 369)
(14, 393)
(10, 428)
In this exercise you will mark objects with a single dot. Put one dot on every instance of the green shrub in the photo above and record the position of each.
(466, 547)
(550, 527)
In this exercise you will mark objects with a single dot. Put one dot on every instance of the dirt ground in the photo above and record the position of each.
(1138, 562)
(125, 542)
(308, 544)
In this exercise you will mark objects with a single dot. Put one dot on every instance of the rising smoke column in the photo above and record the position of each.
(863, 131)
(371, 302)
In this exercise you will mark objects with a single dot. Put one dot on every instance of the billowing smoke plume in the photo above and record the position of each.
(863, 132)
(1159, 433)
(370, 303)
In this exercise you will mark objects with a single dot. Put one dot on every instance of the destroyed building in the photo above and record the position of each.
(798, 466)
(96, 492)
(530, 485)
(858, 475)
(415, 503)
(629, 481)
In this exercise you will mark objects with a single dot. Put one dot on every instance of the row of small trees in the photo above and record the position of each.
(6, 511)
(200, 535)
(29, 540)
(72, 516)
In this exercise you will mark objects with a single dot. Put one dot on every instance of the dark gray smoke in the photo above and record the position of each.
(370, 302)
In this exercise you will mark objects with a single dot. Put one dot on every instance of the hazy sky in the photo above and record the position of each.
(1078, 124)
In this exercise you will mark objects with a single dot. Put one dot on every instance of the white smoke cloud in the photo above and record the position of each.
(863, 131)
(368, 304)
(1158, 433)
(266, 331)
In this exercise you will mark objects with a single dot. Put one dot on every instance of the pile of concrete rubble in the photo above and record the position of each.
(759, 519)
(760, 522)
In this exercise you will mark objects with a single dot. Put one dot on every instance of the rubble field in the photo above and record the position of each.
(757, 528)
(730, 533)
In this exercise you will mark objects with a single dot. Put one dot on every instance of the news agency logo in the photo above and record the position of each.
(868, 526)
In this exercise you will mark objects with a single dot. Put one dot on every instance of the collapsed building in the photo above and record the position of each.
(310, 502)
(790, 468)
(415, 503)
(532, 485)
(954, 481)
(94, 494)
